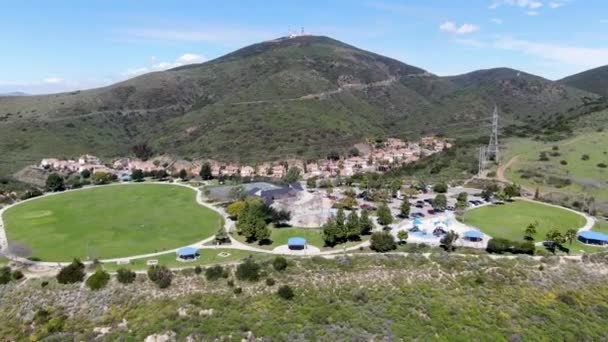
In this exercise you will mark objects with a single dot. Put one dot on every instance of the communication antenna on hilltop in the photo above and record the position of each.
(493, 152)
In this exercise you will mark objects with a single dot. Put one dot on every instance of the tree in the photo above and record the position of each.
(365, 224)
(440, 202)
(72, 273)
(248, 270)
(354, 152)
(530, 231)
(512, 190)
(205, 172)
(555, 238)
(101, 178)
(462, 200)
(183, 174)
(448, 240)
(279, 263)
(54, 182)
(330, 233)
(382, 242)
(221, 236)
(402, 235)
(98, 280)
(235, 208)
(86, 173)
(352, 226)
(137, 175)
(489, 191)
(341, 225)
(570, 235)
(292, 175)
(285, 292)
(214, 273)
(405, 208)
(125, 276)
(142, 151)
(384, 215)
(441, 188)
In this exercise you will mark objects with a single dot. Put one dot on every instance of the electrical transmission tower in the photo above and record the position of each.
(493, 152)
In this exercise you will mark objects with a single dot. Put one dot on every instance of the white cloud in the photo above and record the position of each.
(528, 4)
(496, 21)
(532, 13)
(451, 27)
(52, 80)
(187, 58)
(575, 56)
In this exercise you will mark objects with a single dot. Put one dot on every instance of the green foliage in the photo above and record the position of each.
(17, 275)
(405, 208)
(214, 272)
(448, 240)
(98, 280)
(292, 175)
(440, 202)
(85, 173)
(125, 276)
(183, 174)
(5, 275)
(160, 275)
(286, 292)
(500, 246)
(512, 190)
(402, 235)
(137, 175)
(235, 208)
(198, 269)
(382, 242)
(270, 282)
(353, 226)
(248, 270)
(73, 273)
(279, 263)
(441, 187)
(251, 223)
(54, 182)
(142, 151)
(384, 215)
(365, 223)
(100, 178)
(221, 236)
(205, 171)
(311, 182)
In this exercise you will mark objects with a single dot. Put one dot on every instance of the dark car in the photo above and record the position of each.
(418, 205)
(450, 208)
(429, 201)
(431, 211)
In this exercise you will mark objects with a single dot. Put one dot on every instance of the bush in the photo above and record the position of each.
(125, 276)
(270, 282)
(248, 270)
(73, 273)
(285, 292)
(279, 263)
(499, 246)
(198, 269)
(160, 275)
(602, 165)
(563, 162)
(5, 275)
(441, 188)
(237, 290)
(585, 157)
(98, 280)
(214, 272)
(382, 242)
(44, 284)
(17, 275)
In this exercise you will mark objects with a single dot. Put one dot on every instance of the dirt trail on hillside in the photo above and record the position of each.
(326, 94)
(502, 169)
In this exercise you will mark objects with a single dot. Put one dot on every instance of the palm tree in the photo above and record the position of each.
(570, 235)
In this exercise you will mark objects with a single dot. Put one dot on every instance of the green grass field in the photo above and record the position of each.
(110, 222)
(510, 220)
(279, 237)
(207, 257)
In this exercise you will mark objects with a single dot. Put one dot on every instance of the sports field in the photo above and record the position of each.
(110, 221)
(510, 220)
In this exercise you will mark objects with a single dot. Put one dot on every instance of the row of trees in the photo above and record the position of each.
(340, 228)
(253, 217)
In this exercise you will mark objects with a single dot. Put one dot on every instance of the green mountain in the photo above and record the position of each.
(298, 97)
(594, 80)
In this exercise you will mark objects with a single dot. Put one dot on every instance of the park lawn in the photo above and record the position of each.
(110, 222)
(207, 257)
(510, 220)
(279, 237)
(4, 261)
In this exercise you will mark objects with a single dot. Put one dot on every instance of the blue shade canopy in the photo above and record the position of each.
(187, 251)
(591, 235)
(473, 234)
(296, 241)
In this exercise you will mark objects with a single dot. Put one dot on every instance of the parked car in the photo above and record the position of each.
(419, 206)
(431, 212)
(429, 200)
(450, 208)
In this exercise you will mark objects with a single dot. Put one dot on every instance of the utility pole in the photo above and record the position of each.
(482, 161)
(493, 149)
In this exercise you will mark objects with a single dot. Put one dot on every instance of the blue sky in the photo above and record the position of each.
(51, 46)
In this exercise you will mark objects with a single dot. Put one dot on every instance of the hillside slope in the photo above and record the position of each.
(299, 97)
(594, 80)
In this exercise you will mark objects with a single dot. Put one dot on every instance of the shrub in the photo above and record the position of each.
(602, 165)
(382, 242)
(73, 273)
(214, 272)
(585, 157)
(237, 290)
(44, 284)
(17, 275)
(125, 276)
(98, 280)
(248, 270)
(499, 246)
(270, 282)
(160, 275)
(5, 275)
(198, 269)
(230, 283)
(285, 292)
(563, 162)
(279, 263)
